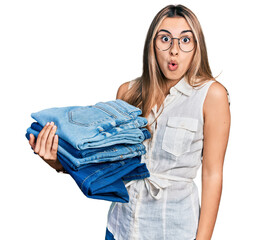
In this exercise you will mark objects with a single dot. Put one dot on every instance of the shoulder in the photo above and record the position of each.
(123, 88)
(217, 98)
(217, 92)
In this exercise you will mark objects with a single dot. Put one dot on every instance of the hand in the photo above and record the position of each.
(46, 145)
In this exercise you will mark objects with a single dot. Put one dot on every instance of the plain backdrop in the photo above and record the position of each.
(61, 53)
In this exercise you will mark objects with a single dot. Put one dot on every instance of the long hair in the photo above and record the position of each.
(148, 88)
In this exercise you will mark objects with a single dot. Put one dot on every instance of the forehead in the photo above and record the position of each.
(175, 25)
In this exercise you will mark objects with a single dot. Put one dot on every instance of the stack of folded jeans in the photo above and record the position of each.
(99, 145)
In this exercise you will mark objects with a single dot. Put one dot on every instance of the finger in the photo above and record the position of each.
(50, 140)
(55, 144)
(44, 139)
(32, 140)
(38, 140)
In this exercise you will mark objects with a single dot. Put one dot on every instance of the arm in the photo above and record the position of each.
(216, 132)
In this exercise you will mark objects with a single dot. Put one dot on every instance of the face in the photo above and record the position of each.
(174, 25)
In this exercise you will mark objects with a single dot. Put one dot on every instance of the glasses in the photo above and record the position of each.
(164, 41)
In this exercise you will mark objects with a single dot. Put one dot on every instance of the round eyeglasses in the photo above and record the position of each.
(164, 41)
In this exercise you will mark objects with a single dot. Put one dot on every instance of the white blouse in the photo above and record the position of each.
(166, 205)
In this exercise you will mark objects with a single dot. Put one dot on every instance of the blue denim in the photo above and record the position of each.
(100, 125)
(105, 180)
(78, 159)
(109, 235)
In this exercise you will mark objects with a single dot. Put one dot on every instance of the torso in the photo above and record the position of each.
(166, 205)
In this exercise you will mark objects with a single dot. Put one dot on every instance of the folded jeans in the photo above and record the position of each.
(99, 125)
(77, 159)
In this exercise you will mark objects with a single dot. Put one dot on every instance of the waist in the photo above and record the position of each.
(156, 183)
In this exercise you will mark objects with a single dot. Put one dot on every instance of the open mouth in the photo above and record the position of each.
(173, 66)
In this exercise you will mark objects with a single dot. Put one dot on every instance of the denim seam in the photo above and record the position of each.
(120, 105)
(136, 123)
(102, 158)
(123, 113)
(93, 174)
(136, 175)
(97, 106)
(132, 111)
(129, 148)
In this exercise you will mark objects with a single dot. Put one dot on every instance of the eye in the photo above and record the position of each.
(185, 39)
(165, 38)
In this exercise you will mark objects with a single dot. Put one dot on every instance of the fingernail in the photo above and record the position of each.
(47, 123)
(54, 127)
(52, 123)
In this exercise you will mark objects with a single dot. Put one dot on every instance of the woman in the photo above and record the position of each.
(189, 118)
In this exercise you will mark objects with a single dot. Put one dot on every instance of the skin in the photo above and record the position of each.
(46, 145)
(217, 121)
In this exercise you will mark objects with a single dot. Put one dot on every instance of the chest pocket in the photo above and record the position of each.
(179, 134)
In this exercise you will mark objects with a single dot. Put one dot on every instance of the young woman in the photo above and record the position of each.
(189, 118)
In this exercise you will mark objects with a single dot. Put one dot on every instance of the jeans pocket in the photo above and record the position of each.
(90, 116)
(179, 134)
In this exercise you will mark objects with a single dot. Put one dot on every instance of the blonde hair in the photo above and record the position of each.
(148, 88)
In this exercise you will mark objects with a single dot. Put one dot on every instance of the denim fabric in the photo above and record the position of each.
(109, 235)
(100, 125)
(78, 159)
(104, 180)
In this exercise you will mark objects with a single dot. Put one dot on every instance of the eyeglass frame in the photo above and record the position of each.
(172, 43)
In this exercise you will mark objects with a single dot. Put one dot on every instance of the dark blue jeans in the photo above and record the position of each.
(109, 235)
(105, 180)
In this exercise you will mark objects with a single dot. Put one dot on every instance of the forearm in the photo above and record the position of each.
(211, 194)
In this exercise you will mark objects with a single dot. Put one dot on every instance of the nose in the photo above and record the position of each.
(174, 49)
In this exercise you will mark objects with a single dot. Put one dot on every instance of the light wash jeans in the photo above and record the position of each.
(100, 125)
(78, 159)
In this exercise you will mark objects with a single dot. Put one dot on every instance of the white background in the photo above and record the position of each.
(63, 53)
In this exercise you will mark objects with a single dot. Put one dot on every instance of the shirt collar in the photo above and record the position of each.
(182, 86)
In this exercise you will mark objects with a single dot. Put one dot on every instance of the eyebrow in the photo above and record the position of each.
(184, 31)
